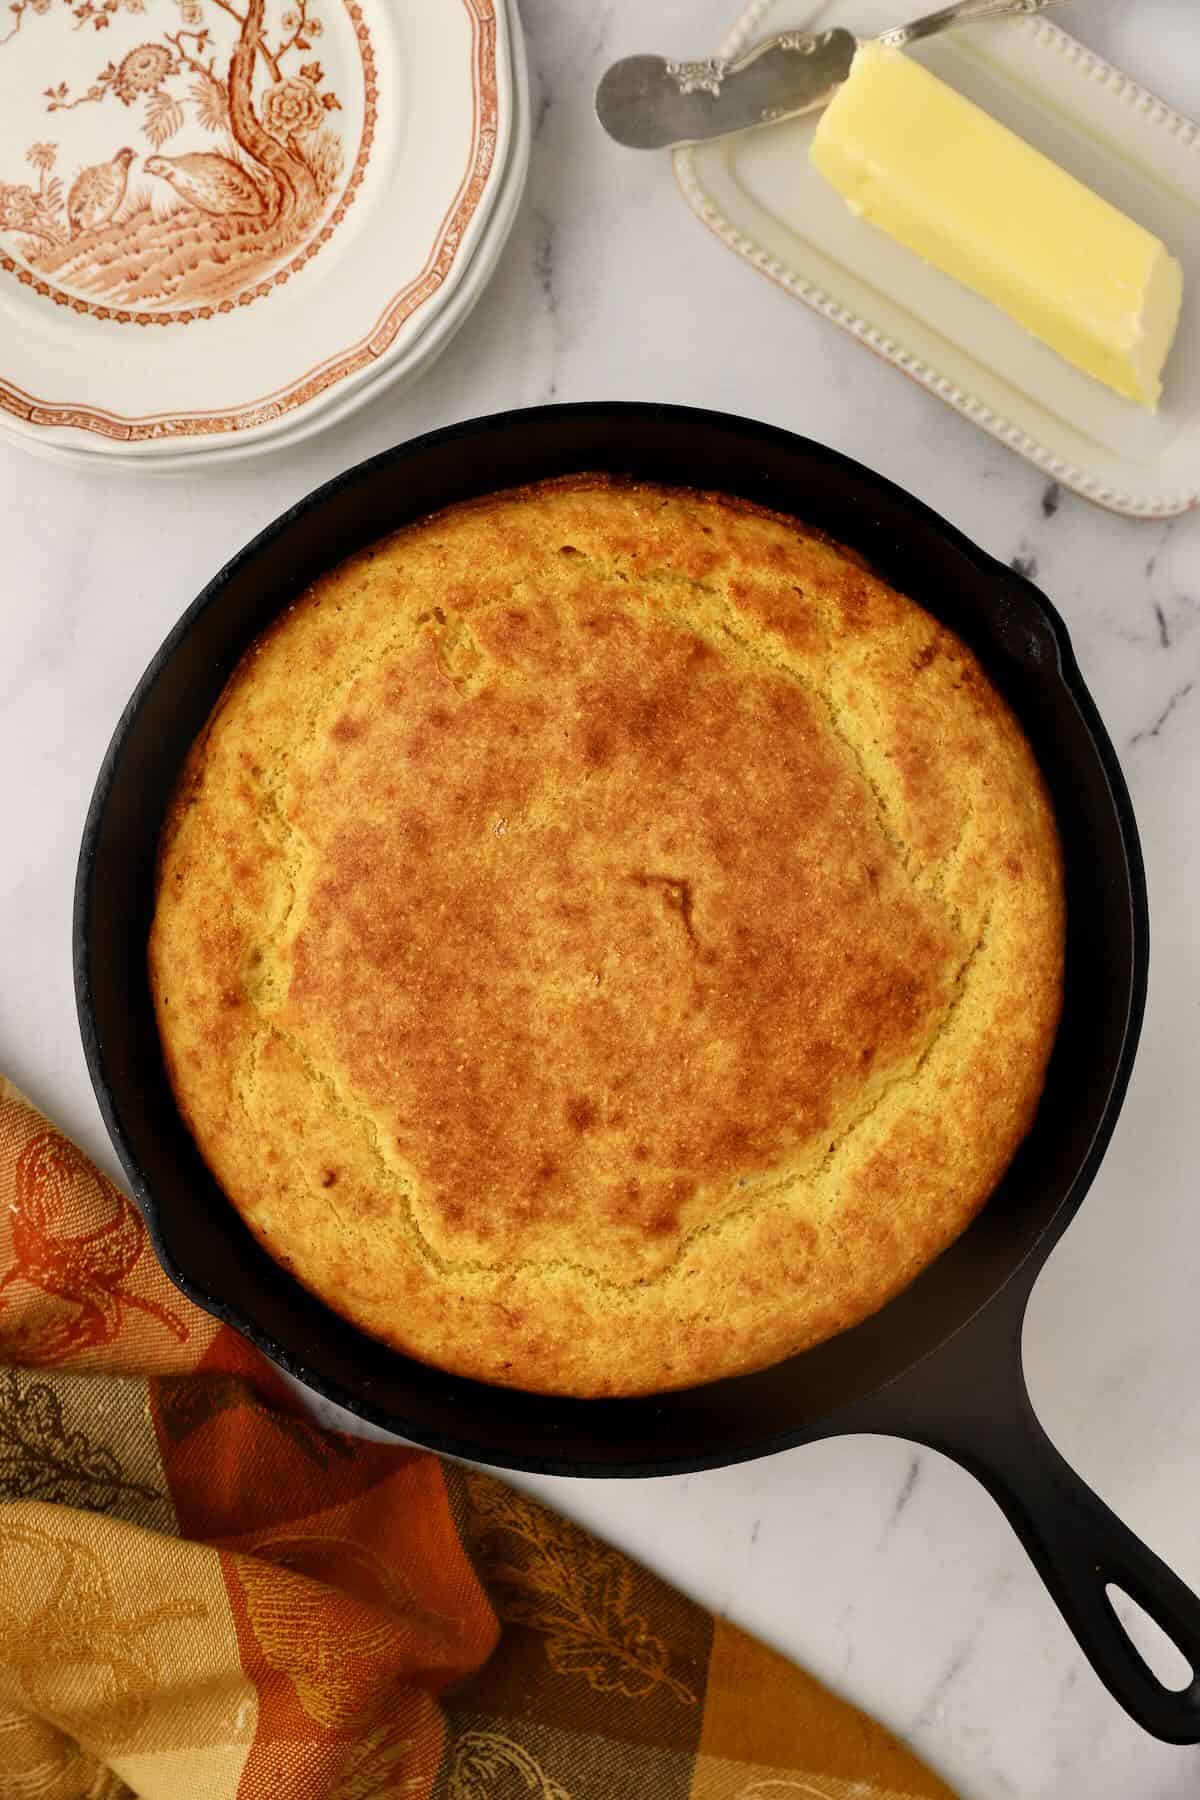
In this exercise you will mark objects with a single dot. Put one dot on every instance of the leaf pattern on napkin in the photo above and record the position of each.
(41, 1763)
(41, 1458)
(577, 1593)
(82, 1661)
(375, 1764)
(188, 1402)
(482, 1759)
(336, 1647)
(816, 1787)
(87, 1271)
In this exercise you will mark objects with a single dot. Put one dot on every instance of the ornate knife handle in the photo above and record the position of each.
(962, 14)
(708, 76)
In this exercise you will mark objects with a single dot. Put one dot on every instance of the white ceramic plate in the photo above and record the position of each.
(195, 291)
(759, 194)
(393, 375)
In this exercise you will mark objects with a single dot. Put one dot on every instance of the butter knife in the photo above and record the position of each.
(648, 103)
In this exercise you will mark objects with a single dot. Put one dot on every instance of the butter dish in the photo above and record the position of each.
(760, 195)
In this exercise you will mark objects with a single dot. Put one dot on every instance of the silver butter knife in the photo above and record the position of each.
(648, 103)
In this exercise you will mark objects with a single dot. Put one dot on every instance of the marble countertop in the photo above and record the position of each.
(887, 1572)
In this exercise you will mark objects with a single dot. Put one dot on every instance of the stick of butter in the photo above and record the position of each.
(914, 157)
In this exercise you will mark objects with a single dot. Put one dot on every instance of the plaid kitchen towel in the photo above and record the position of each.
(204, 1597)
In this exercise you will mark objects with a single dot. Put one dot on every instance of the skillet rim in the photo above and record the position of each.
(1024, 1268)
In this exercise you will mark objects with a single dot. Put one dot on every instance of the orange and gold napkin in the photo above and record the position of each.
(204, 1597)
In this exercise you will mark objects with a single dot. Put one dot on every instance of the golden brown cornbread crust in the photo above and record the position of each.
(607, 939)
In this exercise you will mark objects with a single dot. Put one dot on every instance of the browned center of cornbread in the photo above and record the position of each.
(587, 951)
(604, 919)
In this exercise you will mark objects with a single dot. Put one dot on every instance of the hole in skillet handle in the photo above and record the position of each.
(970, 1402)
(1161, 1655)
(1083, 1553)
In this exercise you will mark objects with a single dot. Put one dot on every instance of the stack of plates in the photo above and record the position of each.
(224, 228)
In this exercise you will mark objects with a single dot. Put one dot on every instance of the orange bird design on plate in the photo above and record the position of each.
(213, 183)
(97, 193)
(86, 1271)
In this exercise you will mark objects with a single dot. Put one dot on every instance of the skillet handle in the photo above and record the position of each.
(1079, 1547)
(970, 1401)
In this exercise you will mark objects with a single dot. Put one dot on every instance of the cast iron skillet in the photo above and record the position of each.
(941, 1365)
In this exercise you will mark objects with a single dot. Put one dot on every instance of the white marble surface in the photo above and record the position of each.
(892, 1575)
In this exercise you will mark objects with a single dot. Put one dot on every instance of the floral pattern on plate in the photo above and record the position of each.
(191, 154)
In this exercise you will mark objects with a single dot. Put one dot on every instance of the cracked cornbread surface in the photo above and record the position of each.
(607, 939)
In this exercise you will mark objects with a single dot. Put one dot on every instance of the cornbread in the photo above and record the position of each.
(607, 939)
(921, 161)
